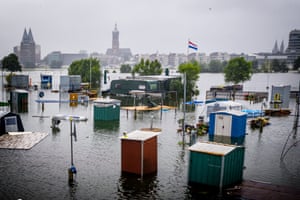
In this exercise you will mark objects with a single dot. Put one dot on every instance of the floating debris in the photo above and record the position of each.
(21, 140)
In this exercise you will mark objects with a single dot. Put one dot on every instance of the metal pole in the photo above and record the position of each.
(71, 142)
(90, 74)
(184, 100)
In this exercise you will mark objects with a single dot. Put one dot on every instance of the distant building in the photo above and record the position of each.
(124, 54)
(277, 50)
(28, 52)
(293, 49)
(56, 59)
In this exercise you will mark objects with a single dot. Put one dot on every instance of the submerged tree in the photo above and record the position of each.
(88, 69)
(238, 70)
(297, 64)
(125, 68)
(192, 70)
(147, 67)
(11, 63)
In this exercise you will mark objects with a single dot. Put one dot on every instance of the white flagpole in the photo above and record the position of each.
(187, 58)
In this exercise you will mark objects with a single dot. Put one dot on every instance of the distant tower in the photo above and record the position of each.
(293, 49)
(281, 49)
(115, 41)
(275, 49)
(27, 50)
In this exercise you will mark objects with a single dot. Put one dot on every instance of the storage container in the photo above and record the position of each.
(107, 109)
(216, 164)
(139, 152)
(46, 81)
(228, 123)
(20, 81)
(19, 101)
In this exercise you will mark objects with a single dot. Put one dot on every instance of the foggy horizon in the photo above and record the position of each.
(149, 27)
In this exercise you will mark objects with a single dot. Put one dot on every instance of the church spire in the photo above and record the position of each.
(30, 37)
(25, 35)
(275, 49)
(281, 47)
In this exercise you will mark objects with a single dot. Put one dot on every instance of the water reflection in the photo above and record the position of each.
(100, 126)
(227, 139)
(137, 187)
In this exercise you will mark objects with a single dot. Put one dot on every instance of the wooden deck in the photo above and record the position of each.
(21, 140)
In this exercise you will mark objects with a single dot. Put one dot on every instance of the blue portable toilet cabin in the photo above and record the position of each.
(46, 81)
(228, 123)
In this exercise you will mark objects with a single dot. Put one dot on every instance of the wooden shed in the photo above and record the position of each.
(139, 152)
(216, 164)
(19, 101)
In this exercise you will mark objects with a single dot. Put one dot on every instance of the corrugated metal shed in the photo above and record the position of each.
(139, 152)
(107, 109)
(20, 81)
(228, 123)
(19, 101)
(70, 82)
(280, 96)
(216, 164)
(46, 81)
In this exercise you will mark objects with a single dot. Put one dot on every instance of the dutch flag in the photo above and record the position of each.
(192, 45)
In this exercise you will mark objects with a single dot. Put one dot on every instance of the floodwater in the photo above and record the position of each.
(42, 172)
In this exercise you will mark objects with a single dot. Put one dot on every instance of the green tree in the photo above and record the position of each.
(216, 66)
(147, 68)
(238, 70)
(192, 70)
(11, 63)
(297, 64)
(278, 66)
(125, 68)
(88, 69)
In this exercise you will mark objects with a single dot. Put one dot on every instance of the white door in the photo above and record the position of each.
(223, 125)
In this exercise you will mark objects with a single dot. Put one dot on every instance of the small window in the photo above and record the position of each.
(11, 124)
(142, 87)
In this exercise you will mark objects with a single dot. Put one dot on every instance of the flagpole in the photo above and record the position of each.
(187, 58)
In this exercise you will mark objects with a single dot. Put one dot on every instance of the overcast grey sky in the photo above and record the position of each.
(149, 26)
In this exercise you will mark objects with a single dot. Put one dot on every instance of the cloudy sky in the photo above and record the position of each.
(149, 26)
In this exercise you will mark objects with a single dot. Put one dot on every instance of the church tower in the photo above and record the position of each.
(27, 50)
(115, 40)
(275, 48)
(281, 47)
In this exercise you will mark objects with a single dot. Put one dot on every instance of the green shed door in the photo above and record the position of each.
(205, 168)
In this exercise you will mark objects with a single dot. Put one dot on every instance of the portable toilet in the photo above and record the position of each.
(228, 123)
(216, 164)
(107, 109)
(139, 152)
(280, 96)
(19, 101)
(20, 81)
(70, 83)
(46, 81)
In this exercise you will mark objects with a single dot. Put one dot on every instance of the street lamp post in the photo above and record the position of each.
(72, 118)
(90, 74)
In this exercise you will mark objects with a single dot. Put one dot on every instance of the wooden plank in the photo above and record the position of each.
(21, 140)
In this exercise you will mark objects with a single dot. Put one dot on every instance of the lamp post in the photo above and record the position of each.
(90, 73)
(73, 119)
